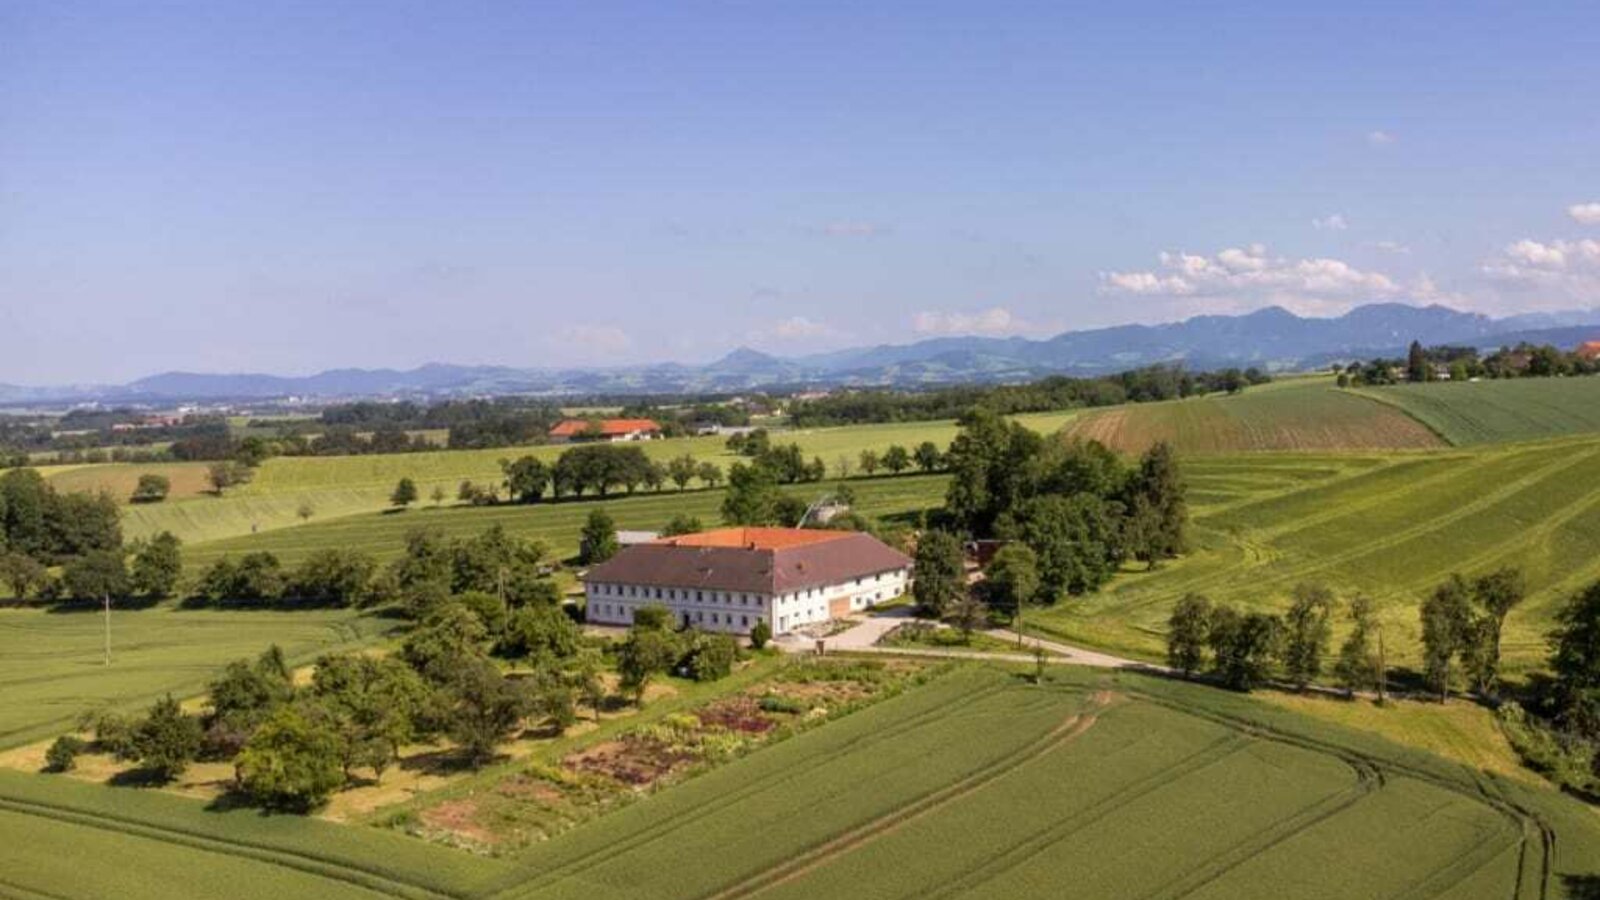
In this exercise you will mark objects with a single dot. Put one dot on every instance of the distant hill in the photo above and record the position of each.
(1272, 338)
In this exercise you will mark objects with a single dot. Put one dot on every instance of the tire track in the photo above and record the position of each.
(887, 824)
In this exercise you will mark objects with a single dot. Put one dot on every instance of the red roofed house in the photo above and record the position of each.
(730, 578)
(605, 430)
(1590, 350)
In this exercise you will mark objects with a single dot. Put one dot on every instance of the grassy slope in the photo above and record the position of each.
(1300, 414)
(1498, 411)
(1390, 526)
(51, 664)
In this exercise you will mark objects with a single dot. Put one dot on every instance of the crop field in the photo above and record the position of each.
(558, 524)
(52, 663)
(976, 784)
(1391, 526)
(119, 479)
(1303, 414)
(1485, 412)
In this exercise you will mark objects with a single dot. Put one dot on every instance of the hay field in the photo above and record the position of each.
(1486, 412)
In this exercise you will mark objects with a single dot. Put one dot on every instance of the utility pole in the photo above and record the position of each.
(106, 598)
(1383, 671)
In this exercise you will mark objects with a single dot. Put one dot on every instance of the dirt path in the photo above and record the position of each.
(891, 822)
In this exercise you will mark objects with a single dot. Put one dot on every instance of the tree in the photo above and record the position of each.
(1307, 634)
(896, 459)
(448, 640)
(709, 656)
(928, 457)
(1357, 666)
(372, 705)
(96, 575)
(291, 762)
(526, 478)
(166, 741)
(152, 488)
(538, 632)
(682, 523)
(586, 680)
(1012, 580)
(991, 461)
(598, 542)
(648, 651)
(306, 511)
(682, 470)
(842, 466)
(1077, 540)
(869, 461)
(1446, 631)
(226, 474)
(1243, 646)
(334, 576)
(1575, 662)
(486, 708)
(63, 753)
(437, 495)
(157, 565)
(25, 574)
(1188, 633)
(752, 497)
(1494, 596)
(1417, 369)
(405, 493)
(941, 573)
(709, 473)
(1159, 483)
(968, 614)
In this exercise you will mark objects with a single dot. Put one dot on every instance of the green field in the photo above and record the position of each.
(978, 784)
(1392, 526)
(1306, 414)
(52, 663)
(1484, 412)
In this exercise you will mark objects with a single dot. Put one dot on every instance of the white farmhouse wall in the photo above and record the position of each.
(736, 612)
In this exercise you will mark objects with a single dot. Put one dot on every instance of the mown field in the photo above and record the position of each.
(1486, 412)
(557, 524)
(1392, 526)
(52, 663)
(978, 784)
(1307, 414)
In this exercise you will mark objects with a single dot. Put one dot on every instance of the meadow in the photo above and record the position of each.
(1483, 412)
(52, 663)
(976, 784)
(1306, 414)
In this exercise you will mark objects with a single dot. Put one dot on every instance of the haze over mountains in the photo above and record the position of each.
(1272, 338)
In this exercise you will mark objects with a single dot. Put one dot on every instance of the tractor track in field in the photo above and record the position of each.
(665, 829)
(10, 890)
(888, 823)
(333, 870)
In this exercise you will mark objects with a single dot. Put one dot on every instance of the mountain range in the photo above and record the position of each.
(1271, 338)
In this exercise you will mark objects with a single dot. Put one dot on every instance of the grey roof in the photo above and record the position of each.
(755, 570)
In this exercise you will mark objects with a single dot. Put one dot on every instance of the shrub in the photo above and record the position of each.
(710, 657)
(63, 754)
(777, 703)
(112, 732)
(291, 763)
(760, 634)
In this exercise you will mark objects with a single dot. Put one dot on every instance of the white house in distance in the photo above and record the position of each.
(730, 578)
(607, 430)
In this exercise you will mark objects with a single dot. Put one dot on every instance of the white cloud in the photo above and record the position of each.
(1334, 222)
(996, 320)
(799, 328)
(1561, 270)
(1585, 213)
(1391, 247)
(1379, 138)
(1250, 276)
(596, 338)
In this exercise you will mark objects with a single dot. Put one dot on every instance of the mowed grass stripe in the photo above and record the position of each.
(1495, 411)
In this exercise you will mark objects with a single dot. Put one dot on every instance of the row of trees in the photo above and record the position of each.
(1055, 393)
(1422, 364)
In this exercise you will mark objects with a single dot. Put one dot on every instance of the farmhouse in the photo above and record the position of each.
(1589, 350)
(605, 430)
(730, 578)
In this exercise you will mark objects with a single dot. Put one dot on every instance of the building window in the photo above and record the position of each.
(744, 620)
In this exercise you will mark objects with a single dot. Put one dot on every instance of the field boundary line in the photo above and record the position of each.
(715, 804)
(888, 823)
(333, 870)
(1408, 413)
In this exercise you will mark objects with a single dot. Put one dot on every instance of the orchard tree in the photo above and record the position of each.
(166, 741)
(1307, 633)
(682, 470)
(291, 762)
(709, 473)
(928, 457)
(896, 459)
(152, 488)
(753, 496)
(598, 541)
(682, 523)
(869, 461)
(157, 565)
(526, 478)
(486, 708)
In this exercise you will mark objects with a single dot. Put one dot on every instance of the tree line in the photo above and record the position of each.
(1048, 394)
(1423, 364)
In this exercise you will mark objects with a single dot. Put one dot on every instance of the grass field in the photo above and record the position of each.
(977, 784)
(1300, 414)
(1392, 526)
(188, 479)
(1497, 411)
(51, 663)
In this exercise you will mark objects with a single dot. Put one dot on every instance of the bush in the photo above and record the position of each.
(777, 703)
(760, 634)
(63, 754)
(291, 763)
(710, 657)
(112, 732)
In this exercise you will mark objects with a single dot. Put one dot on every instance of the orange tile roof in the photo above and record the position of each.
(755, 538)
(1590, 350)
(608, 427)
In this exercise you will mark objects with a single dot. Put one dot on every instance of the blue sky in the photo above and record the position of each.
(288, 187)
